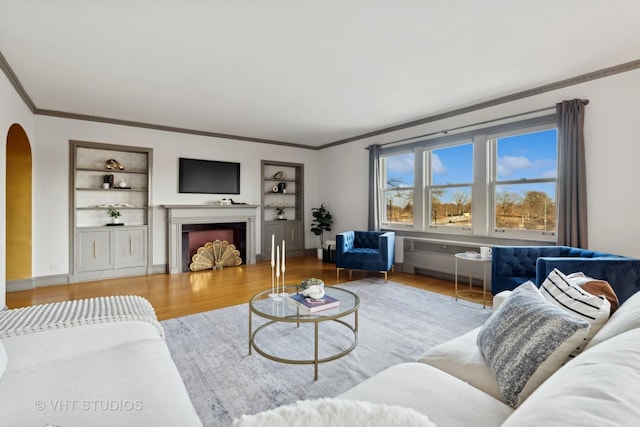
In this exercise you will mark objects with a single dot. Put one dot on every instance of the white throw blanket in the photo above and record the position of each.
(65, 314)
(336, 413)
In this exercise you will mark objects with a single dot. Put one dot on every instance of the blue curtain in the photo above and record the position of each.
(572, 175)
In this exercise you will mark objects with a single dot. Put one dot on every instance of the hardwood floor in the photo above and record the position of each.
(188, 293)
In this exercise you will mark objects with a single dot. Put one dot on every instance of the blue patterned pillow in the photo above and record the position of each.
(526, 340)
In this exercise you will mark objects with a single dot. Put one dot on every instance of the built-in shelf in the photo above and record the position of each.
(270, 193)
(144, 190)
(113, 171)
(289, 195)
(101, 208)
(98, 250)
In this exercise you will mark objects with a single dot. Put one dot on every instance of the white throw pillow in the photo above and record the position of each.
(526, 340)
(463, 359)
(561, 291)
(599, 388)
(335, 412)
(625, 318)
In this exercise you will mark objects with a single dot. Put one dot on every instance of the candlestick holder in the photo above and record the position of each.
(274, 289)
(283, 293)
(274, 286)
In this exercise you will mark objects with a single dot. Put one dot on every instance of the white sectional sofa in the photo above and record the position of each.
(96, 362)
(454, 386)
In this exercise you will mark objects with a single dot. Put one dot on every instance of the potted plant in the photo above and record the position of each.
(322, 221)
(114, 214)
(280, 212)
(106, 181)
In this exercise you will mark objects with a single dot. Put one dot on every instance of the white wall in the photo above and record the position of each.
(12, 110)
(345, 186)
(612, 141)
(51, 178)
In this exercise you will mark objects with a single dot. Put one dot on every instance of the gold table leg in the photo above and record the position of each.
(250, 331)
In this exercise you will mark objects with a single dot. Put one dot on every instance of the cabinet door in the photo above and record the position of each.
(292, 234)
(94, 250)
(130, 247)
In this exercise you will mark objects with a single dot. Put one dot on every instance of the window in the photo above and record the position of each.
(398, 178)
(499, 181)
(448, 189)
(524, 181)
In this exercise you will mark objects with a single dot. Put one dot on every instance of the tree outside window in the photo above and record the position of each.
(525, 184)
(398, 188)
(449, 185)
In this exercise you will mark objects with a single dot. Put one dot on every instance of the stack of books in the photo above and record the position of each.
(310, 305)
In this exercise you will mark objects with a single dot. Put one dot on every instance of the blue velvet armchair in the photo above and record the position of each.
(514, 265)
(365, 250)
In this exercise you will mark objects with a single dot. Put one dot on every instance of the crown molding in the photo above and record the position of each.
(99, 119)
(13, 79)
(572, 81)
(583, 78)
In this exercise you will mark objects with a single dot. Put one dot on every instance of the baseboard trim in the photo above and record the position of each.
(159, 269)
(20, 285)
(58, 279)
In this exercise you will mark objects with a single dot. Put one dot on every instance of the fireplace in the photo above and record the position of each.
(195, 236)
(235, 224)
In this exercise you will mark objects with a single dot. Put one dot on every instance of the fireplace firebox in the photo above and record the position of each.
(235, 224)
(195, 236)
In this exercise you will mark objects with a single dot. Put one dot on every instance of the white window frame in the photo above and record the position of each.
(482, 188)
(428, 186)
(383, 189)
(493, 182)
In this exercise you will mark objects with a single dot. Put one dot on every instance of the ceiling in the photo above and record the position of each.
(301, 72)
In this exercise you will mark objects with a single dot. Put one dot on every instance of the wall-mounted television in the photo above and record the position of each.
(208, 177)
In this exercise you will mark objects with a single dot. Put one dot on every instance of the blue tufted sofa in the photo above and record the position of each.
(365, 250)
(514, 265)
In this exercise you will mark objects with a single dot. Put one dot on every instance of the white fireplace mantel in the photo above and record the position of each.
(177, 215)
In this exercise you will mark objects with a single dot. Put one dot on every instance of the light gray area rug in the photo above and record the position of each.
(397, 323)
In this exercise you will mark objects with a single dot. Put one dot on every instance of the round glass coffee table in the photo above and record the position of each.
(283, 311)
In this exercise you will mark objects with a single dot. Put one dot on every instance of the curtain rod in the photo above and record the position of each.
(446, 131)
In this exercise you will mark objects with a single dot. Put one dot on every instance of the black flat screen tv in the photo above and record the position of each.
(208, 177)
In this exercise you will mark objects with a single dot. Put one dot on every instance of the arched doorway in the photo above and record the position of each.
(18, 205)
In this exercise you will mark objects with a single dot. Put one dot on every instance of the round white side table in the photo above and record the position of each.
(470, 259)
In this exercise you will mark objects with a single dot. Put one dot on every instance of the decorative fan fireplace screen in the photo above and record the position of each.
(215, 255)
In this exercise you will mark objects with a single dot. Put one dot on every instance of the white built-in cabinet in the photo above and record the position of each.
(100, 248)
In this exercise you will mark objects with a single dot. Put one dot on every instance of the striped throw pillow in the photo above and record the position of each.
(562, 292)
